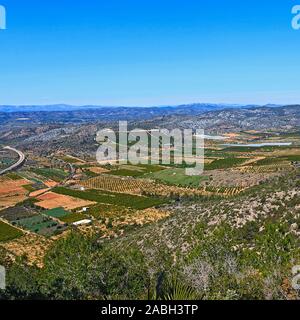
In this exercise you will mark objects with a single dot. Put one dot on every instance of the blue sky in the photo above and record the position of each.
(149, 52)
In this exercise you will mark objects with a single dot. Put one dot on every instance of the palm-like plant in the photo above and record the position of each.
(175, 290)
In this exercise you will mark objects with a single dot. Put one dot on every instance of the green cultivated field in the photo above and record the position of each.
(29, 188)
(40, 224)
(56, 213)
(278, 160)
(177, 176)
(8, 232)
(102, 210)
(13, 176)
(225, 163)
(126, 173)
(118, 199)
(35, 223)
(135, 171)
(73, 217)
(53, 174)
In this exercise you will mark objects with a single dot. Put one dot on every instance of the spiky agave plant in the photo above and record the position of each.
(180, 291)
(176, 290)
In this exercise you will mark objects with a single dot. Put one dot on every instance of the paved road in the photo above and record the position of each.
(17, 164)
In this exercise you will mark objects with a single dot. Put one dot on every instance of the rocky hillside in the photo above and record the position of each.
(234, 120)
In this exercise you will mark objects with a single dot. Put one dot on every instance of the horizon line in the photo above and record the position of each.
(147, 106)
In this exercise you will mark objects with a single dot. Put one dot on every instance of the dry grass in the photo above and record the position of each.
(97, 170)
(238, 177)
(142, 217)
(34, 247)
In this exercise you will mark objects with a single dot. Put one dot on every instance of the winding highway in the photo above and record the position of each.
(17, 164)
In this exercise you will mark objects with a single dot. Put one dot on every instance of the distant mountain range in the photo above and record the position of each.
(215, 118)
(235, 119)
(76, 129)
(62, 113)
(185, 108)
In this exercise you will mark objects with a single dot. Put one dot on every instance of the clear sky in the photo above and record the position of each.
(149, 52)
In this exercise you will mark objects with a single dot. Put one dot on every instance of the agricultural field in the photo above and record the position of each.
(8, 186)
(12, 191)
(52, 200)
(56, 213)
(103, 211)
(118, 199)
(29, 188)
(41, 225)
(177, 176)
(135, 170)
(117, 184)
(37, 193)
(225, 163)
(7, 232)
(72, 160)
(278, 160)
(72, 217)
(13, 176)
(97, 170)
(6, 162)
(18, 213)
(173, 182)
(33, 177)
(156, 207)
(56, 175)
(7, 158)
(64, 216)
(205, 192)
